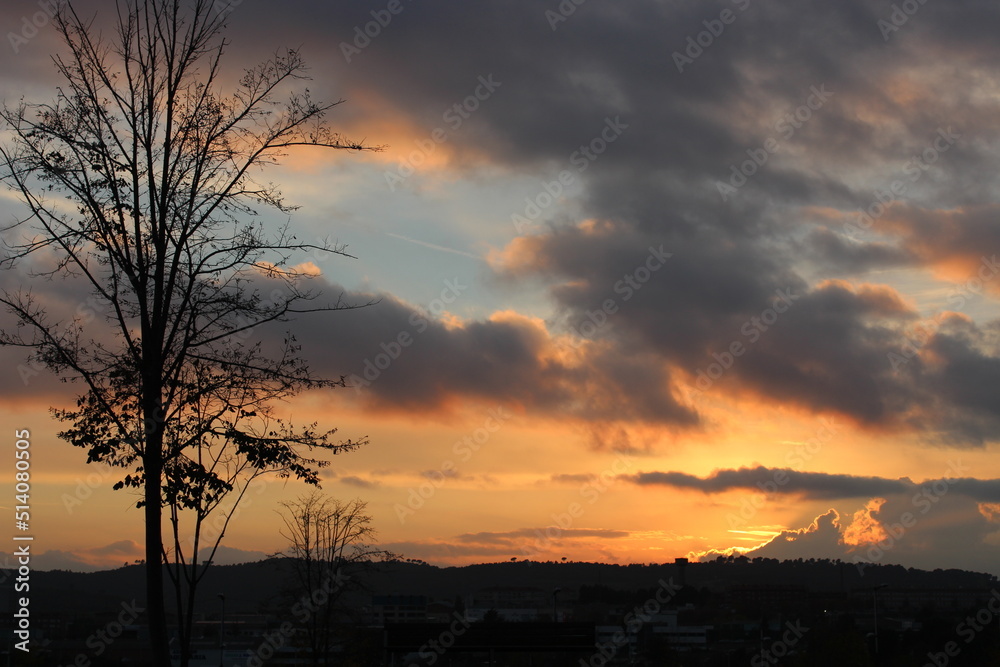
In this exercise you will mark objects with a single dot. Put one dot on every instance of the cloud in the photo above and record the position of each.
(114, 555)
(813, 485)
(817, 540)
(657, 185)
(941, 523)
(957, 243)
(92, 559)
(231, 555)
(830, 348)
(399, 358)
(571, 478)
(823, 319)
(898, 531)
(864, 527)
(820, 485)
(353, 480)
(438, 474)
(115, 549)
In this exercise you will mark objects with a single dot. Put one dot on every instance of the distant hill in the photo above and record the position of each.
(250, 587)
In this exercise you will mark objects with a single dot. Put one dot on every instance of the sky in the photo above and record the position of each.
(652, 280)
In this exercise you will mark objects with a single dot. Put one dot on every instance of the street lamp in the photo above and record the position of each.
(222, 631)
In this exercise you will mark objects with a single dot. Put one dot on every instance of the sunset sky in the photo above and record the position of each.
(654, 279)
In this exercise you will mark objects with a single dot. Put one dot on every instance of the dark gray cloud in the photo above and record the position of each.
(819, 485)
(572, 478)
(889, 95)
(658, 183)
(106, 557)
(837, 254)
(398, 357)
(814, 485)
(353, 480)
(965, 241)
(231, 555)
(832, 349)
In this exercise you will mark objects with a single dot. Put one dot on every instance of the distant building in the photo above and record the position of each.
(440, 612)
(399, 609)
(938, 599)
(681, 564)
(662, 628)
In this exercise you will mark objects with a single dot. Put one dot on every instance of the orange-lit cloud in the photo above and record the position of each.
(864, 528)
(955, 243)
(408, 143)
(990, 511)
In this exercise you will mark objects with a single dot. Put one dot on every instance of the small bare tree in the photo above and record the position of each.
(159, 167)
(327, 536)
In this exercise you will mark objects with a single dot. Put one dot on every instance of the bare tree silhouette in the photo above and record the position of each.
(327, 536)
(160, 166)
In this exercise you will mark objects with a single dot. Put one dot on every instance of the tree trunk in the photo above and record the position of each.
(188, 620)
(155, 601)
(152, 461)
